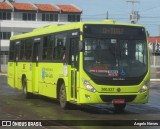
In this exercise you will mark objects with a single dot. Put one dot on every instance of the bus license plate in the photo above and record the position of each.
(118, 101)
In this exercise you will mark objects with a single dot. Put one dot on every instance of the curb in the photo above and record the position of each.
(5, 74)
(155, 80)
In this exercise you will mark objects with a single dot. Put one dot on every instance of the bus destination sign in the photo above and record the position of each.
(111, 31)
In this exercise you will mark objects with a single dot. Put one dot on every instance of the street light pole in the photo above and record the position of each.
(0, 45)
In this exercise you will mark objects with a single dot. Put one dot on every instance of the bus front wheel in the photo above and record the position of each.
(62, 97)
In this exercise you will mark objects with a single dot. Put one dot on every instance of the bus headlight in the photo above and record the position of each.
(88, 86)
(145, 87)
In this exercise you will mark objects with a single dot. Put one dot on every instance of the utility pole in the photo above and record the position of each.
(107, 15)
(0, 47)
(134, 16)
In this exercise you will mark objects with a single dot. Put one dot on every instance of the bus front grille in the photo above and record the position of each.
(109, 98)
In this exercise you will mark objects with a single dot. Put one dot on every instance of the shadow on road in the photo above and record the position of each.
(16, 97)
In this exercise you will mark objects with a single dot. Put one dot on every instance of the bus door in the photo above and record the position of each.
(35, 64)
(17, 57)
(74, 66)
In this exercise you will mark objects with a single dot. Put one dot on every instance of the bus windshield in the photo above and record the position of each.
(115, 58)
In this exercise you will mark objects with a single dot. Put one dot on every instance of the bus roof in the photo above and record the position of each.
(58, 28)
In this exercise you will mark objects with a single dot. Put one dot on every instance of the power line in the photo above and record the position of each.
(133, 2)
(155, 7)
(150, 17)
(95, 14)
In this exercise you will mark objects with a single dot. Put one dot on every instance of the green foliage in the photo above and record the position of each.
(10, 0)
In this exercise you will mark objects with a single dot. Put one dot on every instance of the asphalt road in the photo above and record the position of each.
(13, 106)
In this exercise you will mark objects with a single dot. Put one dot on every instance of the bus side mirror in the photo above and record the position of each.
(80, 45)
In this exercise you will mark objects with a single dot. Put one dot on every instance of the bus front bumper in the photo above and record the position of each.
(87, 97)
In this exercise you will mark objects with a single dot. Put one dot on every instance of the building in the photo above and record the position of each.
(17, 18)
(154, 45)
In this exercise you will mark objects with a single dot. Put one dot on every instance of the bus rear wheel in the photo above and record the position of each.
(62, 97)
(119, 107)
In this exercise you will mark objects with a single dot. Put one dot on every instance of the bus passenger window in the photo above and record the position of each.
(17, 51)
(59, 51)
(47, 47)
(60, 47)
(28, 49)
(22, 50)
(11, 50)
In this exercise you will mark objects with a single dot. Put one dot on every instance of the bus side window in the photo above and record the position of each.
(60, 47)
(36, 51)
(74, 51)
(17, 51)
(22, 50)
(12, 50)
(28, 49)
(45, 43)
(47, 47)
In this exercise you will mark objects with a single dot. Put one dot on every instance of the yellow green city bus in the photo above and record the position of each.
(103, 62)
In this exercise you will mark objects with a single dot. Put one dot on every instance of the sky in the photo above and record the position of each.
(119, 10)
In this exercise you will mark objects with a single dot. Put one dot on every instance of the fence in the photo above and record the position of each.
(155, 60)
(3, 63)
(155, 54)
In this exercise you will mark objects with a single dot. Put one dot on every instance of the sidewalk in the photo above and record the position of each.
(155, 74)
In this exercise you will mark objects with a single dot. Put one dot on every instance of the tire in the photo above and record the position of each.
(119, 107)
(27, 95)
(62, 97)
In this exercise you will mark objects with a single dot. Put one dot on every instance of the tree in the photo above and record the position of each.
(9, 0)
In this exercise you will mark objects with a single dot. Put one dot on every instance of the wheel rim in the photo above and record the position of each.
(62, 97)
